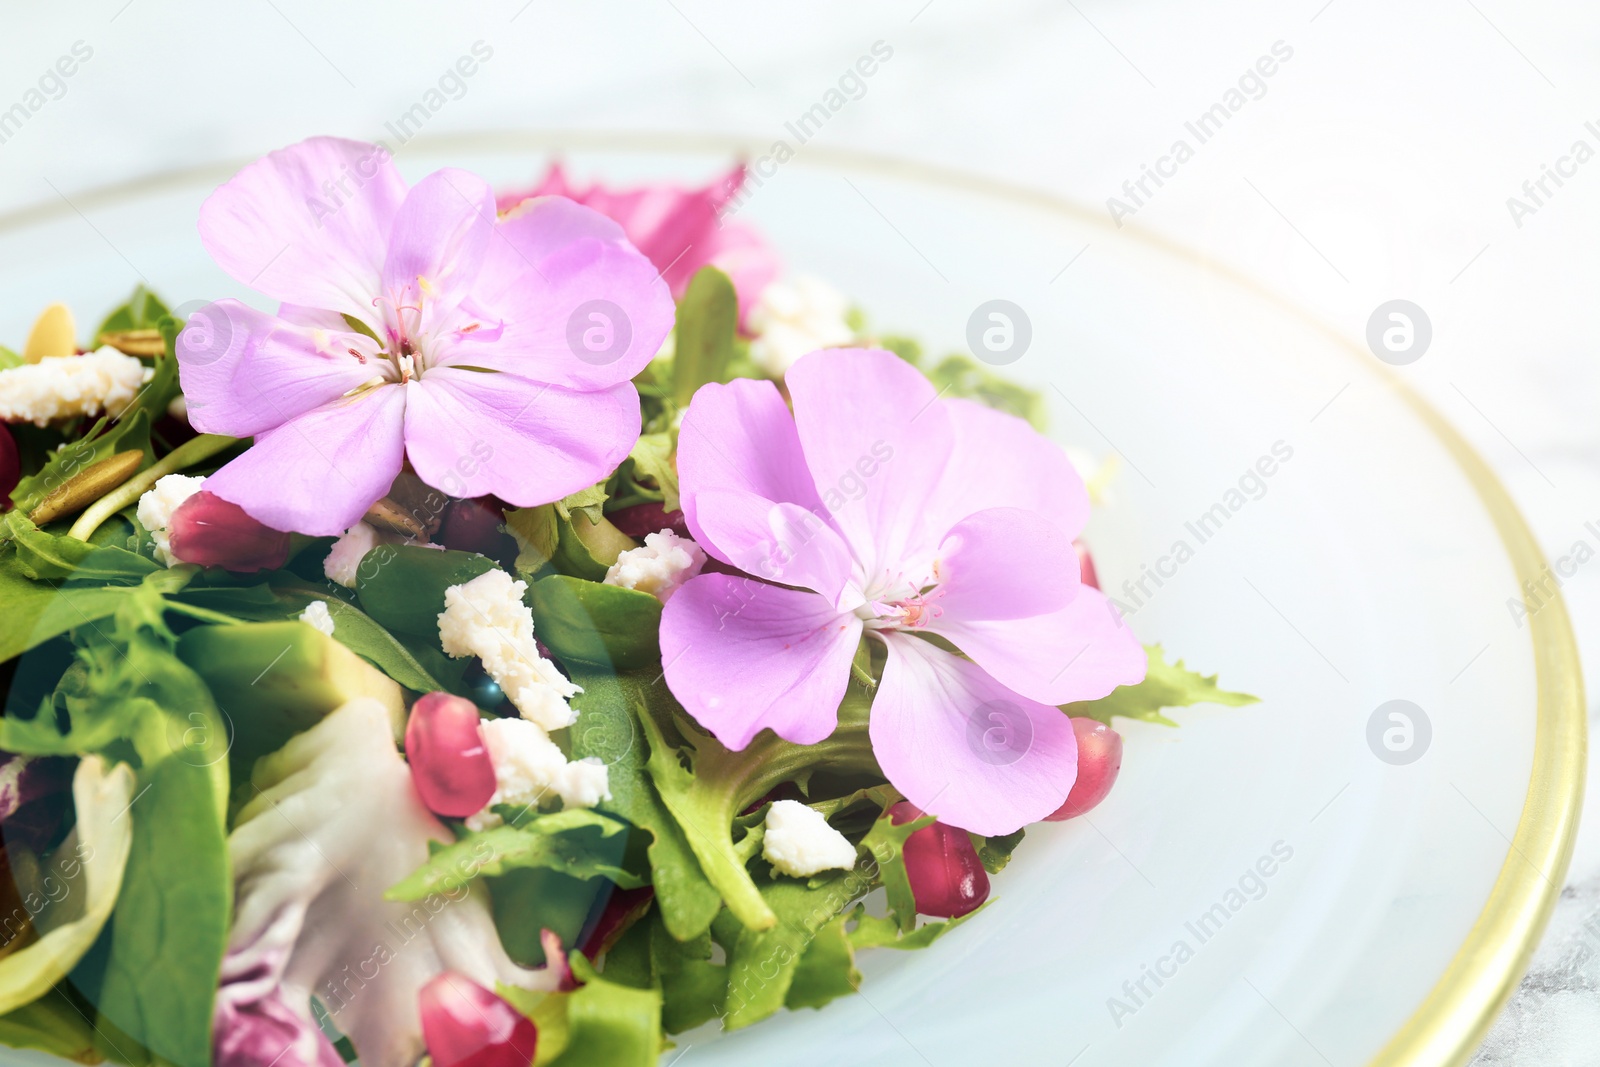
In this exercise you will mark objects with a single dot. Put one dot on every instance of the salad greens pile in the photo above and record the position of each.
(190, 708)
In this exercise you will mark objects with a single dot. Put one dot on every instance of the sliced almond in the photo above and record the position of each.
(53, 334)
(390, 516)
(87, 486)
(146, 342)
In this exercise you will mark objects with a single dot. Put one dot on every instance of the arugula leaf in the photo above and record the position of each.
(961, 376)
(883, 932)
(592, 622)
(886, 842)
(599, 1024)
(44, 556)
(538, 843)
(652, 457)
(141, 311)
(827, 969)
(704, 340)
(403, 586)
(1165, 685)
(534, 530)
(610, 709)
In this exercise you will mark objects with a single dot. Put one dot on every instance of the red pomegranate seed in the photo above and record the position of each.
(1086, 572)
(449, 764)
(1099, 760)
(622, 909)
(641, 519)
(465, 1025)
(214, 532)
(10, 465)
(947, 878)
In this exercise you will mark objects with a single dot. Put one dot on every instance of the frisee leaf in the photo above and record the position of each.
(1165, 685)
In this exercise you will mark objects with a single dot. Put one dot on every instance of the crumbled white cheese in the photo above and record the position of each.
(530, 768)
(799, 842)
(795, 317)
(487, 618)
(64, 387)
(317, 616)
(344, 559)
(157, 505)
(660, 567)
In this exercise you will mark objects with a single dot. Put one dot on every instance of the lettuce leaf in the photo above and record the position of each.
(554, 842)
(1165, 685)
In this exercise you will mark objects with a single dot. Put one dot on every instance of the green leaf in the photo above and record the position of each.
(41, 555)
(141, 311)
(402, 587)
(609, 1025)
(1165, 685)
(56, 1024)
(960, 376)
(591, 622)
(9, 359)
(286, 599)
(995, 852)
(883, 932)
(886, 841)
(704, 341)
(590, 501)
(129, 434)
(608, 729)
(652, 457)
(506, 848)
(35, 612)
(827, 969)
(534, 530)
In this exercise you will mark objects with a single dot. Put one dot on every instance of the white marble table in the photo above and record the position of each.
(1376, 162)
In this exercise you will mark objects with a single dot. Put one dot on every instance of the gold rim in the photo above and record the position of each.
(1447, 1027)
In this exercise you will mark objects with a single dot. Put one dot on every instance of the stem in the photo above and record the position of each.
(187, 454)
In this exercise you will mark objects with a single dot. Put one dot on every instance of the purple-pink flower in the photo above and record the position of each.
(680, 230)
(927, 524)
(492, 354)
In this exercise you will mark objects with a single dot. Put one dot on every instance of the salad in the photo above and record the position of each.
(554, 629)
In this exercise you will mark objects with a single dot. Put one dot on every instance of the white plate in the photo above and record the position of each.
(1375, 564)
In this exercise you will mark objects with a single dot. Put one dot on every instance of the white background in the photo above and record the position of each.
(1377, 165)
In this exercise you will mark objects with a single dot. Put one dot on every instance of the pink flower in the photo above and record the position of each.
(493, 355)
(880, 509)
(679, 229)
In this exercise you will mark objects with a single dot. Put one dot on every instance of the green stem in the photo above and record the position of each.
(187, 454)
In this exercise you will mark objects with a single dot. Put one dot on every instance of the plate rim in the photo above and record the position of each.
(1450, 1023)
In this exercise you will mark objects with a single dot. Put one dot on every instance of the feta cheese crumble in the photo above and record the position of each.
(157, 505)
(487, 618)
(318, 617)
(64, 387)
(800, 843)
(795, 317)
(343, 564)
(529, 767)
(660, 567)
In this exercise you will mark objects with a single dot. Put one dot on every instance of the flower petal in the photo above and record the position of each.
(740, 436)
(319, 472)
(743, 656)
(588, 315)
(1081, 652)
(308, 224)
(1000, 461)
(963, 747)
(541, 226)
(870, 425)
(438, 242)
(780, 542)
(1004, 563)
(474, 433)
(244, 371)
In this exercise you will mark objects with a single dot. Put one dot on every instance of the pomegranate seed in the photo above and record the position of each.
(214, 532)
(1086, 572)
(474, 526)
(10, 465)
(622, 908)
(449, 764)
(947, 878)
(641, 519)
(1099, 760)
(465, 1025)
